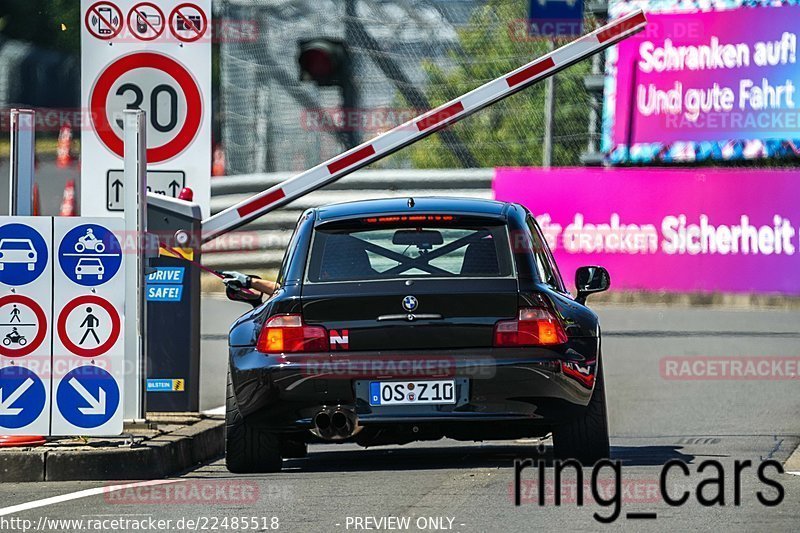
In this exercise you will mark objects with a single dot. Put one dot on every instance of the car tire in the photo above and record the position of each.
(586, 438)
(248, 449)
(293, 449)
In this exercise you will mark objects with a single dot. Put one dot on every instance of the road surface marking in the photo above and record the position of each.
(82, 494)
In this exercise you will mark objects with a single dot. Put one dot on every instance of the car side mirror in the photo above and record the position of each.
(589, 280)
(243, 295)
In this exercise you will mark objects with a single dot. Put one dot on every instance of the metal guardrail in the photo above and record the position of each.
(259, 246)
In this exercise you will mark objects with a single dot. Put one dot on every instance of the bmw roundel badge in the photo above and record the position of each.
(410, 303)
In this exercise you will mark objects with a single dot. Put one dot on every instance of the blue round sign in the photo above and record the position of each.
(88, 396)
(89, 255)
(23, 254)
(22, 397)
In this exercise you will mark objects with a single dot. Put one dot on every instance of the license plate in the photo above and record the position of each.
(412, 392)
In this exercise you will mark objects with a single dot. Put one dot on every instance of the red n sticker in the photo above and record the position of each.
(340, 341)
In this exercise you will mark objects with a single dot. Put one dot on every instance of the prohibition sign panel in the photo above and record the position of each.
(23, 325)
(188, 22)
(176, 86)
(104, 20)
(89, 323)
(146, 21)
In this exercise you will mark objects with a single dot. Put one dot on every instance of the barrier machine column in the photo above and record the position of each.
(172, 294)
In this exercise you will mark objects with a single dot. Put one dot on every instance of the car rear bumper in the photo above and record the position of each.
(510, 384)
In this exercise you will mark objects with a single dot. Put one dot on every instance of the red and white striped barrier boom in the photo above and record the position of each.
(422, 126)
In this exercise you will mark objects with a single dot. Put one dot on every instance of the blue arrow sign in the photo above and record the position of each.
(89, 254)
(22, 397)
(88, 396)
(23, 254)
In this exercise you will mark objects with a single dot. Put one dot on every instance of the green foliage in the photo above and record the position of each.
(509, 133)
(48, 23)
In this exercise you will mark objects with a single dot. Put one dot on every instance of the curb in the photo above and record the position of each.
(159, 457)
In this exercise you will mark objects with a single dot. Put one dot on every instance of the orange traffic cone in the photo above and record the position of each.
(37, 204)
(218, 163)
(64, 147)
(68, 200)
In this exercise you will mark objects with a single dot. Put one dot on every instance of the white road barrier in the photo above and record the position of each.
(422, 126)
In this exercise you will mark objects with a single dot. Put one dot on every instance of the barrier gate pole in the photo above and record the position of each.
(135, 205)
(23, 137)
(422, 126)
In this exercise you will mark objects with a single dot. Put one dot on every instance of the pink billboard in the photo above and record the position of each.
(705, 84)
(683, 230)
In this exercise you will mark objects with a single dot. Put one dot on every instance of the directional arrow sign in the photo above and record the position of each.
(98, 406)
(22, 397)
(166, 182)
(88, 397)
(6, 403)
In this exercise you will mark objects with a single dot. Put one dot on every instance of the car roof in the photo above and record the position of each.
(15, 240)
(422, 204)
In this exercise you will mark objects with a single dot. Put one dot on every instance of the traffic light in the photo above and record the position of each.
(324, 61)
(327, 63)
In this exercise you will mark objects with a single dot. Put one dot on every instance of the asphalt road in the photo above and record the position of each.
(468, 487)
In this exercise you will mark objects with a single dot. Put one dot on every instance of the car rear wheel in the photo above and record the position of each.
(586, 437)
(248, 449)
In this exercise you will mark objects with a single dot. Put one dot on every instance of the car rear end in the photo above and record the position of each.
(408, 325)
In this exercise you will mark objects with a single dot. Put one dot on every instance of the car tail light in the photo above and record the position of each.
(533, 327)
(289, 334)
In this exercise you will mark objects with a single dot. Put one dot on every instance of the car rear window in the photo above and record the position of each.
(386, 251)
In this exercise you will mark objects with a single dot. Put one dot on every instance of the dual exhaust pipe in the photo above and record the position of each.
(336, 423)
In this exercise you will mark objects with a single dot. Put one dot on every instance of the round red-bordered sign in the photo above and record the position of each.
(187, 84)
(195, 33)
(41, 319)
(104, 22)
(61, 326)
(135, 17)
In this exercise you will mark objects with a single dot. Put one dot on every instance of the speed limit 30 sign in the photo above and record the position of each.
(165, 72)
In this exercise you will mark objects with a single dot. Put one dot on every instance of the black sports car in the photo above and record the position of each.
(411, 319)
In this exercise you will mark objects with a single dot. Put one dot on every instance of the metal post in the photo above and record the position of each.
(549, 112)
(20, 190)
(135, 204)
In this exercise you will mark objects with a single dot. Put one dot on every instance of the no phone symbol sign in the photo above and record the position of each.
(104, 20)
(161, 86)
(89, 326)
